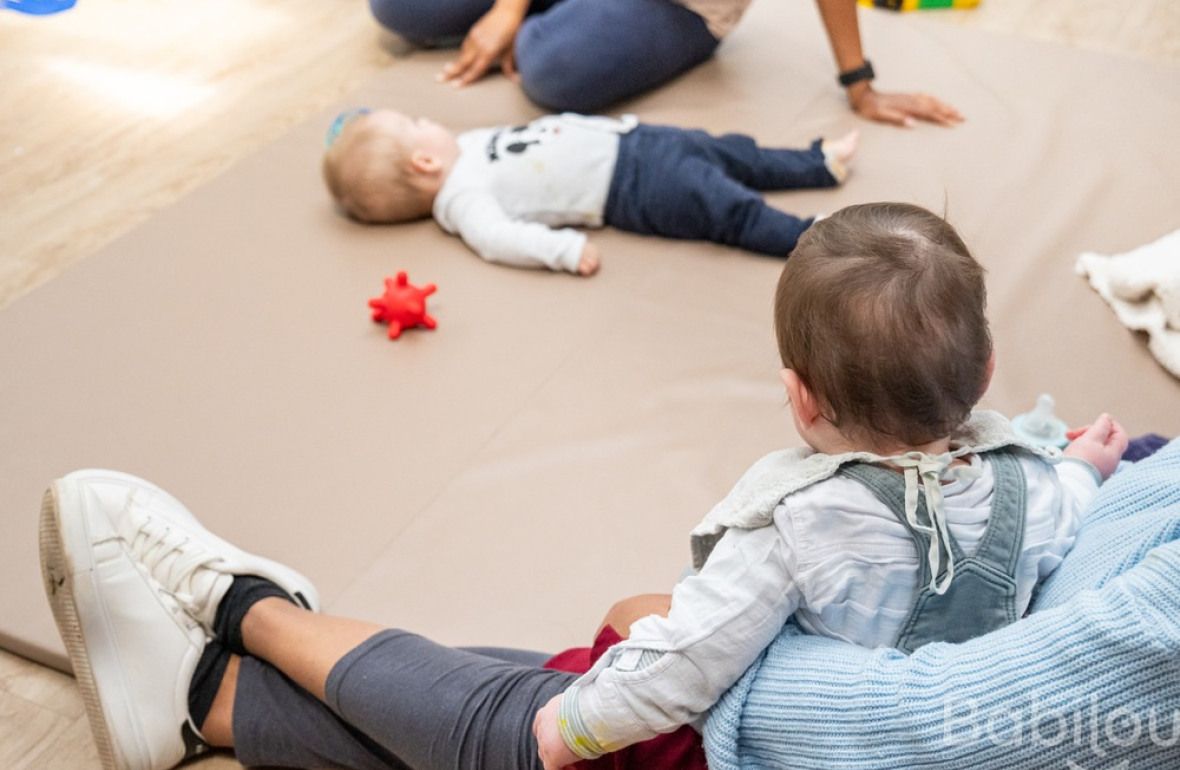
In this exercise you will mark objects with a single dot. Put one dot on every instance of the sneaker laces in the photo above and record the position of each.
(185, 571)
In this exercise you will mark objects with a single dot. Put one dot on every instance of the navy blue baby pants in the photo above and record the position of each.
(689, 184)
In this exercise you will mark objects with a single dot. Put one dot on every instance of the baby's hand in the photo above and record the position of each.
(551, 748)
(588, 262)
(1101, 444)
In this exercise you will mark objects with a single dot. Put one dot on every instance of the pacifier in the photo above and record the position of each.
(1041, 426)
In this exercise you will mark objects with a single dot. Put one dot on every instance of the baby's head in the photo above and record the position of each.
(382, 166)
(881, 329)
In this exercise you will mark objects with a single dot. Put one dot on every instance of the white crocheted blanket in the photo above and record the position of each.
(1143, 287)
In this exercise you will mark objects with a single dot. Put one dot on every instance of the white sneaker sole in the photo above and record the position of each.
(59, 574)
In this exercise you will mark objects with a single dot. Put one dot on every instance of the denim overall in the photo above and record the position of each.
(982, 595)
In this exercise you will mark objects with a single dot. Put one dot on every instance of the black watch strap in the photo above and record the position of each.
(863, 72)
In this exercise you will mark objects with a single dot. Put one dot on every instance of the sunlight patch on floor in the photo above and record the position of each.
(149, 94)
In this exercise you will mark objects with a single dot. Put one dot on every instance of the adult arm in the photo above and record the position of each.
(1065, 685)
(489, 41)
(1099, 656)
(902, 109)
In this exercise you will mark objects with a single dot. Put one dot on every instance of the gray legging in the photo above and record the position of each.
(579, 55)
(398, 701)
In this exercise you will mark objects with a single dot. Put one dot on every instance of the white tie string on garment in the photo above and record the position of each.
(932, 470)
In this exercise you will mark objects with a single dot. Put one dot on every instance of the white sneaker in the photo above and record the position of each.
(187, 560)
(132, 646)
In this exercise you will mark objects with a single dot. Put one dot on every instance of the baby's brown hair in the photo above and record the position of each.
(367, 170)
(880, 312)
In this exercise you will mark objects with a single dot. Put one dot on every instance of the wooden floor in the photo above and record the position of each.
(116, 108)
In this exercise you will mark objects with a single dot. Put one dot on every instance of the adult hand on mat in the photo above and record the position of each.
(490, 40)
(551, 746)
(1101, 444)
(901, 109)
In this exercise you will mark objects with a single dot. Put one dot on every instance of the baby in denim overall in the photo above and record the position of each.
(908, 518)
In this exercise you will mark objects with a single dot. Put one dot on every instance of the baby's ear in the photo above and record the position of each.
(803, 402)
(424, 162)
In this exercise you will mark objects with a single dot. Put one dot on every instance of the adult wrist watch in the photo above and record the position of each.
(863, 72)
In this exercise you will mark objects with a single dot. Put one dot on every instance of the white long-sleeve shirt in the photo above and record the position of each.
(511, 186)
(837, 559)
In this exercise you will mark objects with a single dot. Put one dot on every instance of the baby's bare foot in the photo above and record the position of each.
(589, 261)
(838, 153)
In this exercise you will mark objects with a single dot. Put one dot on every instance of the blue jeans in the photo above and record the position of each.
(688, 184)
(575, 55)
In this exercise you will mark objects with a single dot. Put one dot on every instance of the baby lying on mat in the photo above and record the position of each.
(512, 193)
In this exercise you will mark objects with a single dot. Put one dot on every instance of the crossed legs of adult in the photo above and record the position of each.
(579, 55)
(162, 619)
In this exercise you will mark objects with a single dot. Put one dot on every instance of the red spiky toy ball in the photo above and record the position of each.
(403, 305)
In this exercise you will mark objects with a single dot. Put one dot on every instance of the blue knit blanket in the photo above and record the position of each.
(1091, 679)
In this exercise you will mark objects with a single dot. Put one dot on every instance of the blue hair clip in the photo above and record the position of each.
(342, 120)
